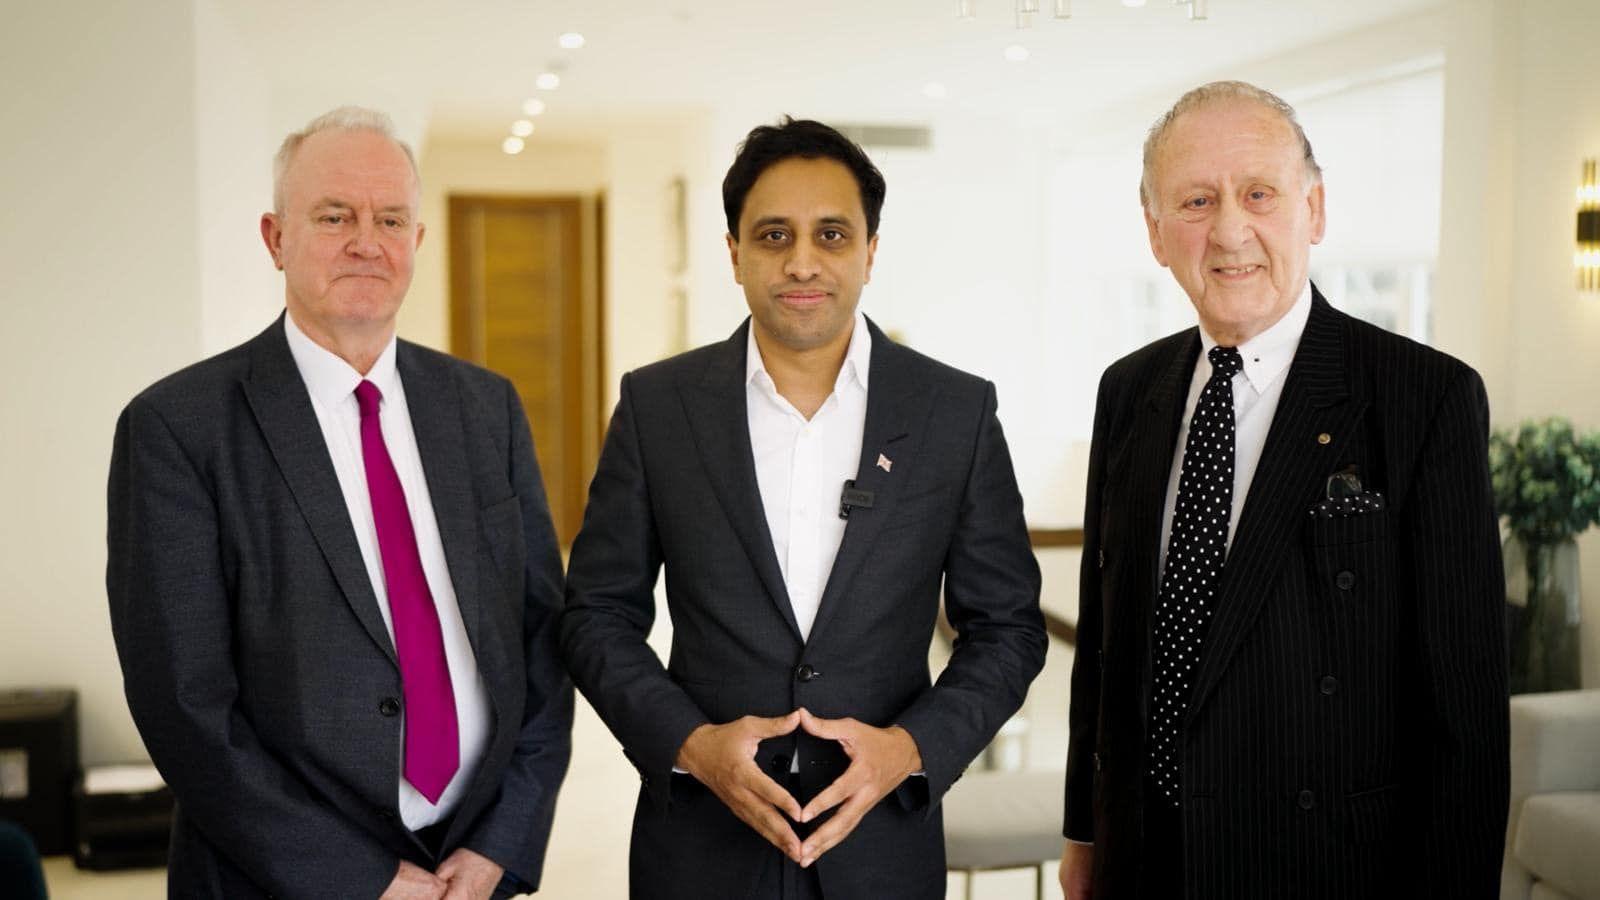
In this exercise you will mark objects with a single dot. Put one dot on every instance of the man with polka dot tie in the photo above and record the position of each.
(1290, 678)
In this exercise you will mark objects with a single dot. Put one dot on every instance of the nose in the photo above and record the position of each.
(802, 263)
(364, 242)
(1231, 229)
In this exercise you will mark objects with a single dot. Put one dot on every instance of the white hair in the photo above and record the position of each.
(345, 118)
(1220, 92)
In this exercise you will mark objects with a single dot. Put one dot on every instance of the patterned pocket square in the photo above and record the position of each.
(1345, 507)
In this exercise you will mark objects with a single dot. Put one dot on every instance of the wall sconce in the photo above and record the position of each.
(1587, 257)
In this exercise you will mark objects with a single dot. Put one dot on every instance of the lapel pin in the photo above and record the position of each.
(1324, 438)
(885, 463)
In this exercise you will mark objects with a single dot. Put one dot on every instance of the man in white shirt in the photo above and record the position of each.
(1290, 674)
(808, 486)
(333, 579)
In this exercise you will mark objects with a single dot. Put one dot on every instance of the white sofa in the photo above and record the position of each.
(1553, 834)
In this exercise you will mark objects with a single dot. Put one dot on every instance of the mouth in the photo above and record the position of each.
(802, 299)
(1235, 273)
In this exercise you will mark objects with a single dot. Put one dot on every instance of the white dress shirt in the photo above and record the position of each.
(332, 382)
(1256, 389)
(801, 467)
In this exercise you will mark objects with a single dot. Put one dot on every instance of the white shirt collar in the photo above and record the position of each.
(857, 357)
(330, 379)
(1269, 353)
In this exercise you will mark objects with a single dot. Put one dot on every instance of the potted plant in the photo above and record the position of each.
(1547, 487)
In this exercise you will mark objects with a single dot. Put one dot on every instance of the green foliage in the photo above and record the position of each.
(1546, 480)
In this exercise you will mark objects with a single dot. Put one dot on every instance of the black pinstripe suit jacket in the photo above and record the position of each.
(1347, 731)
(676, 487)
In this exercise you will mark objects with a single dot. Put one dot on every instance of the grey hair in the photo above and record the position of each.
(1219, 92)
(345, 118)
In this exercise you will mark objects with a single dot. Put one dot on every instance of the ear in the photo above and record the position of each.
(1319, 219)
(1154, 228)
(872, 251)
(733, 256)
(421, 230)
(272, 236)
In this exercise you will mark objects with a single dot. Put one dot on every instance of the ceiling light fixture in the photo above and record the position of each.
(522, 128)
(547, 81)
(1025, 10)
(512, 146)
(571, 41)
(933, 90)
(533, 106)
(1017, 53)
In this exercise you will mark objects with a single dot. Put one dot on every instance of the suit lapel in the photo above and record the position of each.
(898, 402)
(436, 420)
(715, 407)
(1295, 463)
(282, 408)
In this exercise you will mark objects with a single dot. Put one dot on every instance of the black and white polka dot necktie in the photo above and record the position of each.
(1195, 554)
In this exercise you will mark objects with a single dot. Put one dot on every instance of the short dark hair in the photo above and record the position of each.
(807, 139)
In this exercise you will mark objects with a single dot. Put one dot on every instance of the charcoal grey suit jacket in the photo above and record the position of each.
(1346, 734)
(676, 486)
(255, 658)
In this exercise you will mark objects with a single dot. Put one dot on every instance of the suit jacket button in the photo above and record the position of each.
(780, 763)
(1345, 580)
(1306, 800)
(1329, 685)
(389, 706)
(805, 672)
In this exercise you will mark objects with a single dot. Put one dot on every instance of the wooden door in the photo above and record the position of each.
(523, 304)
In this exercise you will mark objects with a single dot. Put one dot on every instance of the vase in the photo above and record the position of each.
(1543, 615)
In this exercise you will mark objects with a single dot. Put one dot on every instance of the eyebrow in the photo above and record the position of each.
(785, 220)
(332, 203)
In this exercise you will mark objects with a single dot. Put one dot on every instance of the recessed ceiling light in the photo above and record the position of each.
(512, 145)
(533, 106)
(547, 81)
(1132, 3)
(573, 40)
(1017, 53)
(522, 128)
(933, 90)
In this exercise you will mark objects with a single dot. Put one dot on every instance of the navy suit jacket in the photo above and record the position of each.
(255, 658)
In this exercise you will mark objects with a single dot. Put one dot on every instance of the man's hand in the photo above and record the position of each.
(880, 758)
(1077, 871)
(469, 875)
(723, 758)
(413, 882)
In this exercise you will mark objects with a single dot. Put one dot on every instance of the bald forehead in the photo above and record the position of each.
(363, 164)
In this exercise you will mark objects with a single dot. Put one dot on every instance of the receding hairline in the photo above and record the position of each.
(340, 119)
(1214, 95)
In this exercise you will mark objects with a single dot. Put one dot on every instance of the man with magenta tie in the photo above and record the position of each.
(333, 579)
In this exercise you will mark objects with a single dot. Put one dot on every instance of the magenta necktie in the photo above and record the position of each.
(432, 745)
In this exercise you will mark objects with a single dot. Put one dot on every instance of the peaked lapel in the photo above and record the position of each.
(715, 407)
(282, 408)
(898, 403)
(436, 419)
(1295, 463)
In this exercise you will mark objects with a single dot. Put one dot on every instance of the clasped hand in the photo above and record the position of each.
(722, 757)
(464, 875)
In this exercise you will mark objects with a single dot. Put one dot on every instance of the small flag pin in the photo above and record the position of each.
(885, 463)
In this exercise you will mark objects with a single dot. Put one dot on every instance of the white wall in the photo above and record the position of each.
(1554, 344)
(99, 297)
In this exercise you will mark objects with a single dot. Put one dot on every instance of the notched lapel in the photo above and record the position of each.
(715, 408)
(898, 403)
(282, 408)
(1294, 466)
(436, 409)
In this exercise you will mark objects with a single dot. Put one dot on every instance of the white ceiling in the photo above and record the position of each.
(472, 62)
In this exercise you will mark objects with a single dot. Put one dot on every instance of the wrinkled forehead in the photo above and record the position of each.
(1228, 137)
